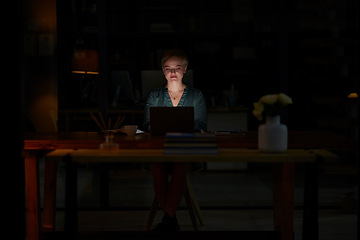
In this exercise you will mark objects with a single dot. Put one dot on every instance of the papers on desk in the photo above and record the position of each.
(190, 143)
(219, 133)
(138, 131)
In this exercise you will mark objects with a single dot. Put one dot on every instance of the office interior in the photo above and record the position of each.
(80, 56)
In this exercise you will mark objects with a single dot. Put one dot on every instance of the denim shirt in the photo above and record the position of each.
(191, 98)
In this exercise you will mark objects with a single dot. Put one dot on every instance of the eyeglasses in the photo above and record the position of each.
(170, 70)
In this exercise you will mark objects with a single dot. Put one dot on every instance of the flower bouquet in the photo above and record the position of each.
(272, 136)
(271, 105)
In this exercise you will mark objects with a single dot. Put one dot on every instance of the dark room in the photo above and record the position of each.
(179, 119)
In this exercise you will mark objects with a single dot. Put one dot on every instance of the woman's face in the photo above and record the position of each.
(174, 69)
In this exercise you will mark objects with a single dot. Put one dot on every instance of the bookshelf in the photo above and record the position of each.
(240, 43)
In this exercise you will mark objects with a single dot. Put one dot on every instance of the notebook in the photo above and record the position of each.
(171, 119)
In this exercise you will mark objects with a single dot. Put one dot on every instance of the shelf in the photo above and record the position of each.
(318, 43)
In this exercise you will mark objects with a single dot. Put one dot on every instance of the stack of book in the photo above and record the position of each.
(190, 143)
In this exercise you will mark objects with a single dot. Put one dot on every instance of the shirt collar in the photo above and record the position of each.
(182, 99)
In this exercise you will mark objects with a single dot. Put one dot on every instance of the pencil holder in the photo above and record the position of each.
(109, 143)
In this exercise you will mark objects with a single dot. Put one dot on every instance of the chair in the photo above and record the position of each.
(192, 205)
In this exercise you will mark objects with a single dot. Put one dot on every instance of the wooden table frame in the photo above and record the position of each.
(283, 171)
(38, 144)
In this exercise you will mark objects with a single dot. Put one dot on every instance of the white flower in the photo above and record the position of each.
(269, 99)
(271, 105)
(284, 99)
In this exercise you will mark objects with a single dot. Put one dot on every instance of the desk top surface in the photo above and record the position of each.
(92, 140)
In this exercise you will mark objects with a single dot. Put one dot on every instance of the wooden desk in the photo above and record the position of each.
(283, 170)
(36, 144)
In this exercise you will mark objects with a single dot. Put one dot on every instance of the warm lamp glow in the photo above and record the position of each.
(85, 72)
(85, 61)
(353, 95)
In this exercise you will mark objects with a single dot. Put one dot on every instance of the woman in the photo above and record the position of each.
(175, 93)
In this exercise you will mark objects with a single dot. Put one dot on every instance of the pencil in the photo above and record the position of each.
(119, 122)
(102, 120)
(96, 121)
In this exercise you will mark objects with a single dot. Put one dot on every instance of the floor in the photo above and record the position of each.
(230, 201)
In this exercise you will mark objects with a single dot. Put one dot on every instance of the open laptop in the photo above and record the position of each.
(171, 119)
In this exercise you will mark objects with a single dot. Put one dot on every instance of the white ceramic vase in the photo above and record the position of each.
(272, 136)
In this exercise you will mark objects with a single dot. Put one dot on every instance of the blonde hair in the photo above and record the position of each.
(174, 53)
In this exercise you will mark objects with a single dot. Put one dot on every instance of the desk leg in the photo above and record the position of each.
(32, 194)
(310, 216)
(284, 174)
(49, 196)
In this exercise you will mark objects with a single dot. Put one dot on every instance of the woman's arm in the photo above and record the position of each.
(148, 104)
(153, 100)
(200, 120)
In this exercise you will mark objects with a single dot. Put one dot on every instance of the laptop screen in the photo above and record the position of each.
(171, 119)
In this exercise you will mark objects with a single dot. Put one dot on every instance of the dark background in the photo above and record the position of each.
(306, 49)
